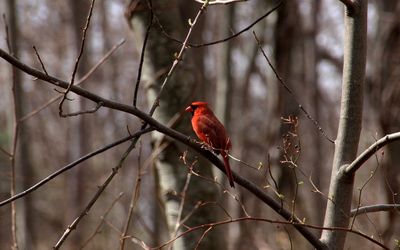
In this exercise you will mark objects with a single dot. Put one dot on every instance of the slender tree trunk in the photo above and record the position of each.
(286, 28)
(386, 90)
(24, 168)
(311, 54)
(341, 186)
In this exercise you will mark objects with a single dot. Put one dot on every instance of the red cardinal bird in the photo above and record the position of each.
(211, 131)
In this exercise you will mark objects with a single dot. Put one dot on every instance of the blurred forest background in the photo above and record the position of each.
(304, 41)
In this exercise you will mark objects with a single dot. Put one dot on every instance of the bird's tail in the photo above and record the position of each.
(228, 169)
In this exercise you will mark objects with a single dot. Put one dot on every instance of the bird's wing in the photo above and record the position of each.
(211, 130)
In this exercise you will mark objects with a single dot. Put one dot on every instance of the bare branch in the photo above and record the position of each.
(60, 109)
(83, 79)
(5, 152)
(191, 45)
(97, 230)
(134, 198)
(146, 38)
(101, 189)
(202, 237)
(40, 59)
(374, 209)
(315, 122)
(255, 190)
(183, 197)
(220, 223)
(71, 165)
(360, 160)
(90, 111)
(215, 2)
(372, 174)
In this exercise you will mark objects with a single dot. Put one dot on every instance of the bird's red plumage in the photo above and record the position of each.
(211, 131)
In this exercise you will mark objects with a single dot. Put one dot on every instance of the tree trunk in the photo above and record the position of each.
(24, 168)
(346, 144)
(171, 172)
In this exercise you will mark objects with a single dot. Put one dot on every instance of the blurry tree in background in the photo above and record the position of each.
(295, 126)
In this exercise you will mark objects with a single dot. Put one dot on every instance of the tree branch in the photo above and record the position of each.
(215, 2)
(71, 165)
(357, 163)
(78, 59)
(193, 45)
(252, 188)
(374, 208)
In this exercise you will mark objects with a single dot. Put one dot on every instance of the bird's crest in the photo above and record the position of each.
(197, 104)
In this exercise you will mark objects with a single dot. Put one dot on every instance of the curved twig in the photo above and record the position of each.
(193, 45)
(362, 158)
(241, 219)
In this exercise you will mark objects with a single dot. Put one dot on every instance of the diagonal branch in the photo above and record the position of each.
(357, 163)
(252, 188)
(71, 165)
(315, 122)
(374, 208)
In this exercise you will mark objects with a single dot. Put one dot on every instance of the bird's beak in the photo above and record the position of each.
(189, 109)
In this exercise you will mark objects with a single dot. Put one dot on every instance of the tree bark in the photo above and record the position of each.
(170, 170)
(346, 144)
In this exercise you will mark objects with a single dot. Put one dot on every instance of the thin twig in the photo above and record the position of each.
(242, 162)
(7, 34)
(134, 199)
(9, 155)
(215, 2)
(101, 189)
(40, 60)
(97, 230)
(241, 219)
(82, 80)
(372, 174)
(191, 45)
(183, 198)
(90, 111)
(146, 37)
(291, 92)
(78, 59)
(178, 58)
(73, 164)
(276, 189)
(202, 237)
